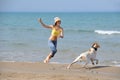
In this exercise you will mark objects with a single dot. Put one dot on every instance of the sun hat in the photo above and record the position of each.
(57, 19)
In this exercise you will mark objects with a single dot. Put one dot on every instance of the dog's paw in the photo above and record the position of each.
(96, 62)
(85, 67)
(68, 67)
(93, 64)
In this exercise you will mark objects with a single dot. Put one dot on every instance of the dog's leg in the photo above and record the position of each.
(96, 61)
(85, 66)
(68, 67)
(92, 61)
(76, 60)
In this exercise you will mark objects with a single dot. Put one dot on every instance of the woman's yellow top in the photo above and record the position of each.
(56, 32)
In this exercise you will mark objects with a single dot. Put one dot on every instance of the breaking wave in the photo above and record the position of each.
(106, 32)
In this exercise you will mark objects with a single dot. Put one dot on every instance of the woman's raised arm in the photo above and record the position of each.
(44, 25)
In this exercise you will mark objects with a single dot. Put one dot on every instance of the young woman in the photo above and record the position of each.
(57, 32)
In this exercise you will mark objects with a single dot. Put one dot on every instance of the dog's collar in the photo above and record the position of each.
(94, 48)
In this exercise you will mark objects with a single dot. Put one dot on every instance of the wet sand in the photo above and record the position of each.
(41, 71)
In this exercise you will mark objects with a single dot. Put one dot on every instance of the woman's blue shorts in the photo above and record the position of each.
(53, 47)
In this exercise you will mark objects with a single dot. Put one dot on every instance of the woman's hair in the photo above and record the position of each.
(55, 24)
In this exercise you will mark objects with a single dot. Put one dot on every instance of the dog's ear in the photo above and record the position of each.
(97, 45)
(93, 44)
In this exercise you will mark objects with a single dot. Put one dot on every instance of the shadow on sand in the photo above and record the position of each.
(97, 67)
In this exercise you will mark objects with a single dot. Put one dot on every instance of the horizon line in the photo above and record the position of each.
(58, 11)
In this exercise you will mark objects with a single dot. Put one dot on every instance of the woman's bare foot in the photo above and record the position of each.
(45, 61)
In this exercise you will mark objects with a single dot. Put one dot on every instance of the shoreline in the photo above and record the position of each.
(52, 62)
(52, 71)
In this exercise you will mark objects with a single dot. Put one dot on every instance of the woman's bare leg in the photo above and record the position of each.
(48, 58)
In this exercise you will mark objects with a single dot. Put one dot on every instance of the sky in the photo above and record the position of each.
(59, 5)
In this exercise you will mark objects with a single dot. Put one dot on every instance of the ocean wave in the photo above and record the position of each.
(106, 32)
(116, 63)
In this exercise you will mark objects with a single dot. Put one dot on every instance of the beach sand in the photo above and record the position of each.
(41, 71)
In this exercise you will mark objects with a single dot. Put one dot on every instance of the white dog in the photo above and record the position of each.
(87, 56)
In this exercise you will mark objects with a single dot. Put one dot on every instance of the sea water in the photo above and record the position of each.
(23, 39)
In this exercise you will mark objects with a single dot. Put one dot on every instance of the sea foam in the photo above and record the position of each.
(107, 32)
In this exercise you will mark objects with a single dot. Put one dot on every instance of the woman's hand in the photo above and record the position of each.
(61, 36)
(44, 25)
(40, 20)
